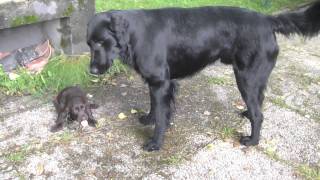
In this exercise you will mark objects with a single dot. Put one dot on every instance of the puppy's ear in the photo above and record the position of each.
(93, 106)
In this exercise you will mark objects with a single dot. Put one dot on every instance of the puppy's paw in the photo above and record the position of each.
(248, 141)
(151, 146)
(94, 106)
(146, 119)
(92, 123)
(56, 127)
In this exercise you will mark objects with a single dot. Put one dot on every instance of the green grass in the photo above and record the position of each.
(279, 102)
(60, 72)
(309, 172)
(24, 20)
(228, 133)
(65, 136)
(266, 6)
(217, 80)
(17, 156)
(173, 160)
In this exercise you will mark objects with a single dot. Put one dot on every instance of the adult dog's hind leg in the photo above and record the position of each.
(251, 81)
(149, 118)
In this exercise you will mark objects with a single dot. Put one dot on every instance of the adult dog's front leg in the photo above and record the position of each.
(161, 95)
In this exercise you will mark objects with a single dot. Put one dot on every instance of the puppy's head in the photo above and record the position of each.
(78, 109)
(103, 43)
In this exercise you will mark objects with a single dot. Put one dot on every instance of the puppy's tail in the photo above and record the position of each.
(303, 22)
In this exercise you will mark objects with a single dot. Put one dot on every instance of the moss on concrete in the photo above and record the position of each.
(70, 9)
(18, 21)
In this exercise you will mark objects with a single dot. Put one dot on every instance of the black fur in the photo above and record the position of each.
(172, 43)
(72, 103)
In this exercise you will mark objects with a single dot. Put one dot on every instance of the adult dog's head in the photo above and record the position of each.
(106, 37)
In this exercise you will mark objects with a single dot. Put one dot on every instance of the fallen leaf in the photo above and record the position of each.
(94, 80)
(122, 116)
(109, 135)
(236, 144)
(239, 105)
(210, 146)
(133, 111)
(39, 169)
(131, 78)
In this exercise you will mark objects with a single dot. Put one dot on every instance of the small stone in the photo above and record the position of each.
(89, 96)
(13, 76)
(124, 94)
(207, 113)
(123, 85)
(84, 123)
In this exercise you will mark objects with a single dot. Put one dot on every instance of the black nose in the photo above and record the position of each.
(94, 70)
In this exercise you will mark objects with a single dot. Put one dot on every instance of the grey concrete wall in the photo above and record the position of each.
(27, 22)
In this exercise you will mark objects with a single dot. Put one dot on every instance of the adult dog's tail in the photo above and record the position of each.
(304, 22)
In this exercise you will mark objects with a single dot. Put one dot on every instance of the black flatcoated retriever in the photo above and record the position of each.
(172, 43)
(72, 104)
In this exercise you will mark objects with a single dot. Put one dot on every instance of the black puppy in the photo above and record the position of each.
(72, 104)
(171, 43)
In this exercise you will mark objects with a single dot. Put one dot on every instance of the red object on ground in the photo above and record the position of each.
(45, 51)
(33, 58)
(3, 54)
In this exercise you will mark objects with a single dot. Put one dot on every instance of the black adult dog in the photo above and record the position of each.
(171, 43)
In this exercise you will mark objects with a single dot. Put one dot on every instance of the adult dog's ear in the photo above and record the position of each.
(120, 26)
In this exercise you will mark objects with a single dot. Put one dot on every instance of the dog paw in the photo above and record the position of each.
(146, 119)
(151, 146)
(92, 123)
(248, 141)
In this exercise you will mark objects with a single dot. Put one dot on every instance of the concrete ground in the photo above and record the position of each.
(202, 143)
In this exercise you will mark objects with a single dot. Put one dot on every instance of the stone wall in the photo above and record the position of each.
(26, 22)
